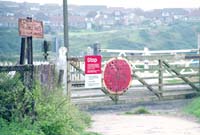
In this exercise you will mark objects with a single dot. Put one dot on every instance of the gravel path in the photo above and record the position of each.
(113, 124)
(166, 119)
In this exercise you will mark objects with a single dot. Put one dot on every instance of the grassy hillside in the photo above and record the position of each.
(177, 36)
(182, 35)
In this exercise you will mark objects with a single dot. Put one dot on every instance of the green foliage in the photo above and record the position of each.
(15, 99)
(90, 133)
(140, 110)
(19, 128)
(54, 114)
(194, 108)
(9, 41)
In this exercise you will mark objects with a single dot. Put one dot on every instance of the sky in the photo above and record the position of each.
(144, 4)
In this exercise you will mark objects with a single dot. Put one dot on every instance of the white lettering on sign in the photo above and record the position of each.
(92, 60)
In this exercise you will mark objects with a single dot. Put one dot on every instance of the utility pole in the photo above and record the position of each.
(66, 44)
(198, 46)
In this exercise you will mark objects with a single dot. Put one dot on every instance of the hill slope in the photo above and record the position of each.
(178, 36)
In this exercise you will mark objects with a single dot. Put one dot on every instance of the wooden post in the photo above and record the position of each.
(30, 76)
(30, 50)
(60, 78)
(30, 46)
(22, 53)
(160, 78)
(116, 97)
(45, 49)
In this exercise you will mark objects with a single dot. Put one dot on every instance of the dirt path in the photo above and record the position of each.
(113, 124)
(166, 119)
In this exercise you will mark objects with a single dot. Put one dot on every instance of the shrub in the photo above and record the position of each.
(15, 99)
(19, 128)
(53, 114)
(56, 116)
(194, 108)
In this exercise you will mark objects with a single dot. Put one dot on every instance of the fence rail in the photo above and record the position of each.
(165, 77)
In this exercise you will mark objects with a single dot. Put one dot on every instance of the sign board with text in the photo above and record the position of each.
(30, 28)
(92, 71)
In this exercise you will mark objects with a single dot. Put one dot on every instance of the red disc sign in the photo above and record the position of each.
(117, 75)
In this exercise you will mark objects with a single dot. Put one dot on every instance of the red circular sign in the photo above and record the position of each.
(117, 76)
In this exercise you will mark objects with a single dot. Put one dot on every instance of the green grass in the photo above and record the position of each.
(174, 81)
(194, 107)
(90, 133)
(139, 110)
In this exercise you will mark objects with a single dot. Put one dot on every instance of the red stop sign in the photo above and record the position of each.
(117, 75)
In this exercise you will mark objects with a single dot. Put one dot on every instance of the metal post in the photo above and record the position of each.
(66, 44)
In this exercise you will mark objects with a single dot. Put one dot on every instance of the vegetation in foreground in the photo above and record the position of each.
(194, 107)
(52, 115)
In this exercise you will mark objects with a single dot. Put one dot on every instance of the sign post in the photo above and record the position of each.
(92, 71)
(29, 29)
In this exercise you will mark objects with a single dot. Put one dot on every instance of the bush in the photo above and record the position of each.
(56, 116)
(194, 107)
(15, 99)
(19, 128)
(53, 114)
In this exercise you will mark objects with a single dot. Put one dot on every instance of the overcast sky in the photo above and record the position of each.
(144, 4)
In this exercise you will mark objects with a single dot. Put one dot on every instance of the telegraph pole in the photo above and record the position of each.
(198, 46)
(66, 44)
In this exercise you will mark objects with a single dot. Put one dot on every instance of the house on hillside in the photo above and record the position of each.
(77, 22)
(56, 22)
(194, 15)
(133, 20)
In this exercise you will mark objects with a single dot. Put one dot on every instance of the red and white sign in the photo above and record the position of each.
(117, 76)
(92, 64)
(29, 27)
(92, 71)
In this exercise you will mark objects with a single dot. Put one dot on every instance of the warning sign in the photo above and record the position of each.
(92, 71)
(117, 76)
(29, 27)
(93, 81)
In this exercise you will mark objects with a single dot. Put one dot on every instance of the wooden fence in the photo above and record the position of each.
(45, 74)
(157, 77)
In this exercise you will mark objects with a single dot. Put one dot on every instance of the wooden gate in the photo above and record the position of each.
(157, 77)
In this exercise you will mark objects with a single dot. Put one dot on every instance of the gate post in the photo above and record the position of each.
(160, 78)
